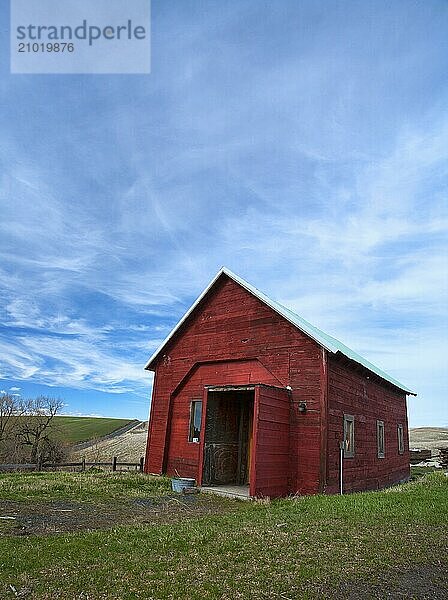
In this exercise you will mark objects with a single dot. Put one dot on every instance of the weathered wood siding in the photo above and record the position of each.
(368, 400)
(234, 338)
(269, 476)
(181, 454)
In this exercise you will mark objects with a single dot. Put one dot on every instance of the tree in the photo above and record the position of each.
(10, 408)
(35, 427)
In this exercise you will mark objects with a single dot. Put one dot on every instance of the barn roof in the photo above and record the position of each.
(323, 339)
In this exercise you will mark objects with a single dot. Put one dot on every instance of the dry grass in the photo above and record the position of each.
(430, 438)
(128, 447)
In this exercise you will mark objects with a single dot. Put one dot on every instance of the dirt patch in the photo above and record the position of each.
(421, 582)
(23, 518)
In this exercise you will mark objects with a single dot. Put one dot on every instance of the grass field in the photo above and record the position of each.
(391, 543)
(417, 472)
(81, 429)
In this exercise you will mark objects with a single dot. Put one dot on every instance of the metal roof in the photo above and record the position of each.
(323, 339)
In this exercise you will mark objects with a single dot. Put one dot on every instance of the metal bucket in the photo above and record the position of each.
(178, 484)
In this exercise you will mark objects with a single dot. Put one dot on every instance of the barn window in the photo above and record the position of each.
(400, 439)
(349, 436)
(195, 421)
(380, 438)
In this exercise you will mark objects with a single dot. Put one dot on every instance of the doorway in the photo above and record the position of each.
(228, 436)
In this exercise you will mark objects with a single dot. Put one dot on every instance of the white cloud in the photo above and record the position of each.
(324, 187)
(72, 363)
(80, 414)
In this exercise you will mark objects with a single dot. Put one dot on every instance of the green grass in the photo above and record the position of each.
(417, 472)
(288, 548)
(82, 429)
(80, 487)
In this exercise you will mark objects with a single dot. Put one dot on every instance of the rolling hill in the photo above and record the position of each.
(128, 445)
(80, 429)
(428, 437)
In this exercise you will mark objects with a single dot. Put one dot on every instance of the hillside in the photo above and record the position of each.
(428, 437)
(80, 429)
(128, 446)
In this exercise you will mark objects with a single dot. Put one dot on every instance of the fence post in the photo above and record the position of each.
(114, 463)
(83, 464)
(141, 464)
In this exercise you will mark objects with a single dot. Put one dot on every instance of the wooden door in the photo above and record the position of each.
(226, 438)
(220, 441)
(270, 456)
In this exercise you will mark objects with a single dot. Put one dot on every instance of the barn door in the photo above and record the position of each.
(226, 437)
(270, 458)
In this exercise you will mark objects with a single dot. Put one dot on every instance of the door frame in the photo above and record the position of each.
(225, 388)
(256, 387)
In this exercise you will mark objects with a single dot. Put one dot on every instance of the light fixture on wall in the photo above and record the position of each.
(302, 407)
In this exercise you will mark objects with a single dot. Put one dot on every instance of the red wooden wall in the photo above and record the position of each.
(183, 455)
(368, 400)
(234, 338)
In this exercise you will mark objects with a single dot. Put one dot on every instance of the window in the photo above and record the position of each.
(195, 421)
(380, 438)
(400, 439)
(349, 436)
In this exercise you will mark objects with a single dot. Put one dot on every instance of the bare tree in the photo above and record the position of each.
(6, 412)
(35, 428)
(10, 408)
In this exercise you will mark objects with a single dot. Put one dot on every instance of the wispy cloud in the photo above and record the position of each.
(309, 156)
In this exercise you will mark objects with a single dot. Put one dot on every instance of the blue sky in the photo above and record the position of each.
(303, 145)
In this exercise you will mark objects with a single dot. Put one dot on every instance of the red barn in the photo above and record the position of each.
(247, 393)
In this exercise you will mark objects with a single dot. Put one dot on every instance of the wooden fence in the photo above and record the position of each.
(114, 465)
(443, 458)
(417, 455)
